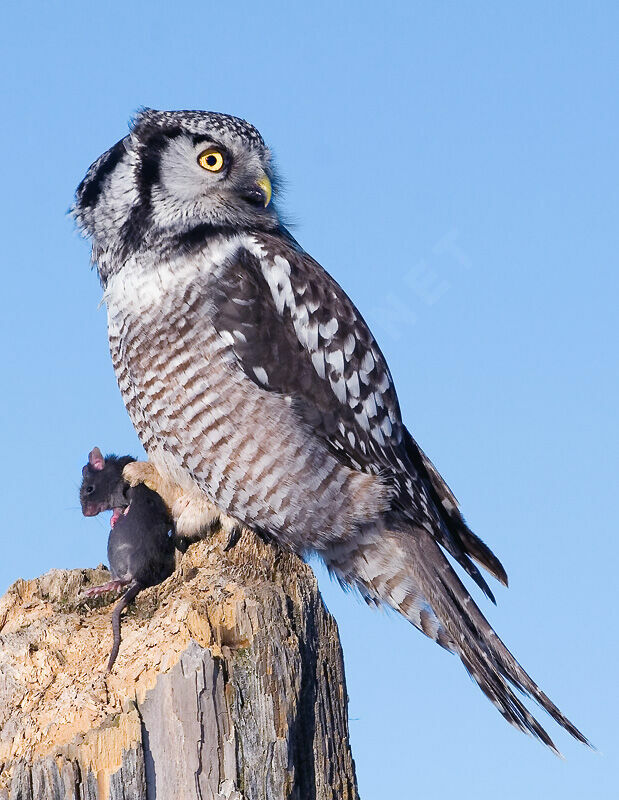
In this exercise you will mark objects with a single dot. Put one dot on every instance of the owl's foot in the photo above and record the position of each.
(144, 472)
(104, 588)
(194, 515)
(196, 518)
(138, 472)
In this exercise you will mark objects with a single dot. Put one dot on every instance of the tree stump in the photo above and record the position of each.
(229, 685)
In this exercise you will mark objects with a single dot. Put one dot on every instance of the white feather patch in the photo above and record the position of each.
(262, 376)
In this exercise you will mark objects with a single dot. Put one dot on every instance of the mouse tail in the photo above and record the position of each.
(134, 589)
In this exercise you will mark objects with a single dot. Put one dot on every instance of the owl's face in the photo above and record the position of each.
(176, 171)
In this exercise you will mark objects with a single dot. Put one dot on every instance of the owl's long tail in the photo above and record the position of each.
(403, 567)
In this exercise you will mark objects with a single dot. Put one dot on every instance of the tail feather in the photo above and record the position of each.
(482, 651)
(405, 568)
(449, 511)
(480, 551)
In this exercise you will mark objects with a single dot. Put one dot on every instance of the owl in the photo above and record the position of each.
(256, 386)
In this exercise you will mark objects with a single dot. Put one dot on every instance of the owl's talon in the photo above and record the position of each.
(233, 539)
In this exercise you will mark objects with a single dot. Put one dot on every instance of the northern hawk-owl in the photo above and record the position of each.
(255, 385)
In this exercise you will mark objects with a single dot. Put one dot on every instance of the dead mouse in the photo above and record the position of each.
(140, 552)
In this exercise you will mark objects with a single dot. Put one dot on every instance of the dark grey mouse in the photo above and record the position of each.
(140, 552)
(103, 487)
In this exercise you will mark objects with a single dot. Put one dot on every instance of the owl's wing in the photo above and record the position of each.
(294, 331)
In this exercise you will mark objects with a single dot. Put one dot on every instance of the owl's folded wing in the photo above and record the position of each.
(294, 331)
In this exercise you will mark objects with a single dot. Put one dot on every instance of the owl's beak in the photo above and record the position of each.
(267, 190)
(260, 192)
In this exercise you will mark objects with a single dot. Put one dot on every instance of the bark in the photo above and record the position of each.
(229, 684)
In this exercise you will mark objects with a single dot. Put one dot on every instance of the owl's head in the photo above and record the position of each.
(175, 173)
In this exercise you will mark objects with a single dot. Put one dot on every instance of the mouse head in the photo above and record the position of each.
(103, 487)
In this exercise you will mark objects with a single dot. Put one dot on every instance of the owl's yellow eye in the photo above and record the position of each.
(212, 160)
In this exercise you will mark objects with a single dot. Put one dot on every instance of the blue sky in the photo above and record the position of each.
(455, 166)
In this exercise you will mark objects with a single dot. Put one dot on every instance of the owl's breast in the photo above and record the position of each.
(158, 320)
(154, 317)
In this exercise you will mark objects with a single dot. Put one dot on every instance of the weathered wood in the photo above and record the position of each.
(229, 685)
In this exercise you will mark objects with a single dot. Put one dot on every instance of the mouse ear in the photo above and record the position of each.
(95, 459)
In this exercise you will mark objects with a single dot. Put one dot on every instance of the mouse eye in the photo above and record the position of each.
(90, 489)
